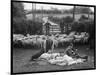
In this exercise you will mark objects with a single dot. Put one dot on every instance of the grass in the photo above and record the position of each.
(21, 62)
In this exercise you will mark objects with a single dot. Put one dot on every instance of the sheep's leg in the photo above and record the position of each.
(62, 44)
(44, 46)
(52, 47)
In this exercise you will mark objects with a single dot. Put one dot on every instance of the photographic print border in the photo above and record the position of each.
(52, 4)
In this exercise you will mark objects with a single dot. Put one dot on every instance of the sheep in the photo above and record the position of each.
(40, 40)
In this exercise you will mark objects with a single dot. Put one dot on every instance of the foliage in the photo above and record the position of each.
(64, 23)
(20, 24)
(55, 19)
(83, 17)
(86, 26)
(78, 10)
(67, 19)
(62, 26)
(18, 10)
(30, 27)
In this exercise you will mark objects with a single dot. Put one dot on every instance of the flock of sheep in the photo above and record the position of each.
(40, 40)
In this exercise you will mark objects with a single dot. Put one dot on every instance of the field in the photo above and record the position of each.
(77, 16)
(22, 56)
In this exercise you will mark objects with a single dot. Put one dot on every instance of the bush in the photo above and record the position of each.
(20, 23)
(86, 26)
(27, 27)
(64, 23)
(83, 17)
(19, 26)
(78, 27)
(55, 19)
(67, 19)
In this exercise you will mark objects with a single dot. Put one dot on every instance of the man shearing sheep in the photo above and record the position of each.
(72, 52)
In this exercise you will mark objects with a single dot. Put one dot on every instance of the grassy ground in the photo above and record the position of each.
(21, 62)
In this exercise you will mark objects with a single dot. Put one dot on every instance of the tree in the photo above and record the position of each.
(67, 19)
(83, 17)
(18, 10)
(78, 26)
(19, 17)
(80, 9)
(66, 23)
(62, 26)
(85, 10)
(74, 12)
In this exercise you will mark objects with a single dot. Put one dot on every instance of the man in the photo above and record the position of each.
(70, 51)
(38, 54)
(47, 25)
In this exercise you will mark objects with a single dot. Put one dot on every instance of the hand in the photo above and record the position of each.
(76, 49)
